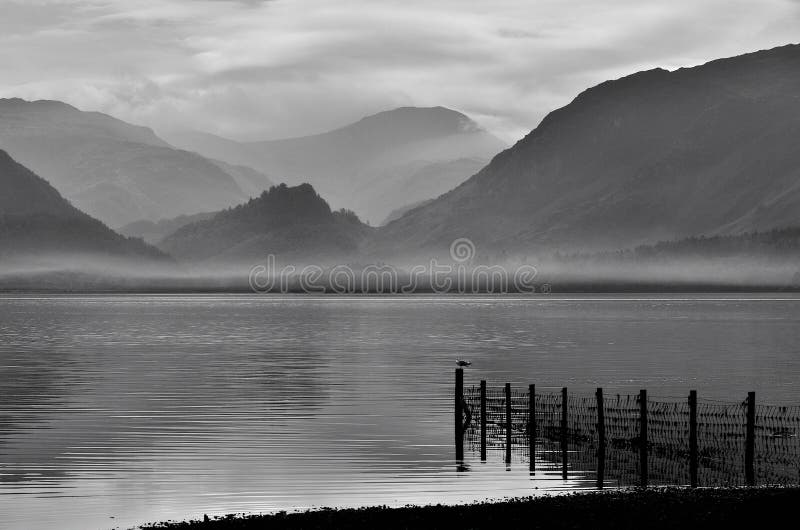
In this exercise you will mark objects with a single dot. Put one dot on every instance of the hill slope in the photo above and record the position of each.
(36, 221)
(652, 156)
(373, 166)
(292, 223)
(112, 170)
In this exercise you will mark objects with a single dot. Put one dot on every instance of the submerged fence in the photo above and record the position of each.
(628, 440)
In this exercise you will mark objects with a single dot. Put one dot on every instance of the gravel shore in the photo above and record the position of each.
(671, 508)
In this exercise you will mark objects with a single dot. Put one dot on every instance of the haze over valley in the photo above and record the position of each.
(373, 166)
(656, 156)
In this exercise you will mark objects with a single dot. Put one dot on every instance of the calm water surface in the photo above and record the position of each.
(118, 410)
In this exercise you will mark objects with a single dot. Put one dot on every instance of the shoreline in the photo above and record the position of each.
(575, 290)
(655, 508)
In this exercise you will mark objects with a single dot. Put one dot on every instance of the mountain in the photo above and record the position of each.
(155, 231)
(652, 156)
(373, 166)
(416, 182)
(397, 213)
(36, 221)
(292, 223)
(253, 183)
(115, 171)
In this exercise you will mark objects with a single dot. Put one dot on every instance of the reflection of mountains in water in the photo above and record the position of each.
(142, 380)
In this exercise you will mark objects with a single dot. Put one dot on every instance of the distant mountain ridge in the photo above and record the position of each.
(652, 156)
(372, 166)
(116, 171)
(155, 231)
(400, 212)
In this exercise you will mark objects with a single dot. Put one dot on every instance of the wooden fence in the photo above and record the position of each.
(633, 439)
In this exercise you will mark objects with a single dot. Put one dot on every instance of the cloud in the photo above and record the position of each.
(267, 69)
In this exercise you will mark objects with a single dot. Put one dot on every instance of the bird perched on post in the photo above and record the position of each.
(463, 363)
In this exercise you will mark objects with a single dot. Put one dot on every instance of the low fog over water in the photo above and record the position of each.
(605, 273)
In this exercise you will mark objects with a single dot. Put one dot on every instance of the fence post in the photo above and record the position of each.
(483, 419)
(693, 438)
(643, 437)
(601, 440)
(750, 443)
(508, 423)
(564, 433)
(532, 426)
(459, 414)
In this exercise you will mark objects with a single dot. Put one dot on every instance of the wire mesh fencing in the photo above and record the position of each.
(777, 444)
(721, 429)
(681, 442)
(668, 442)
(622, 439)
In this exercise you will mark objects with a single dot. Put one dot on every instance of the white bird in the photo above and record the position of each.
(463, 363)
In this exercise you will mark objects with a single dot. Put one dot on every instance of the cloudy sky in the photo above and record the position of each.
(277, 68)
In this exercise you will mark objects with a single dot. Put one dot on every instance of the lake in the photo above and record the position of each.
(119, 410)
